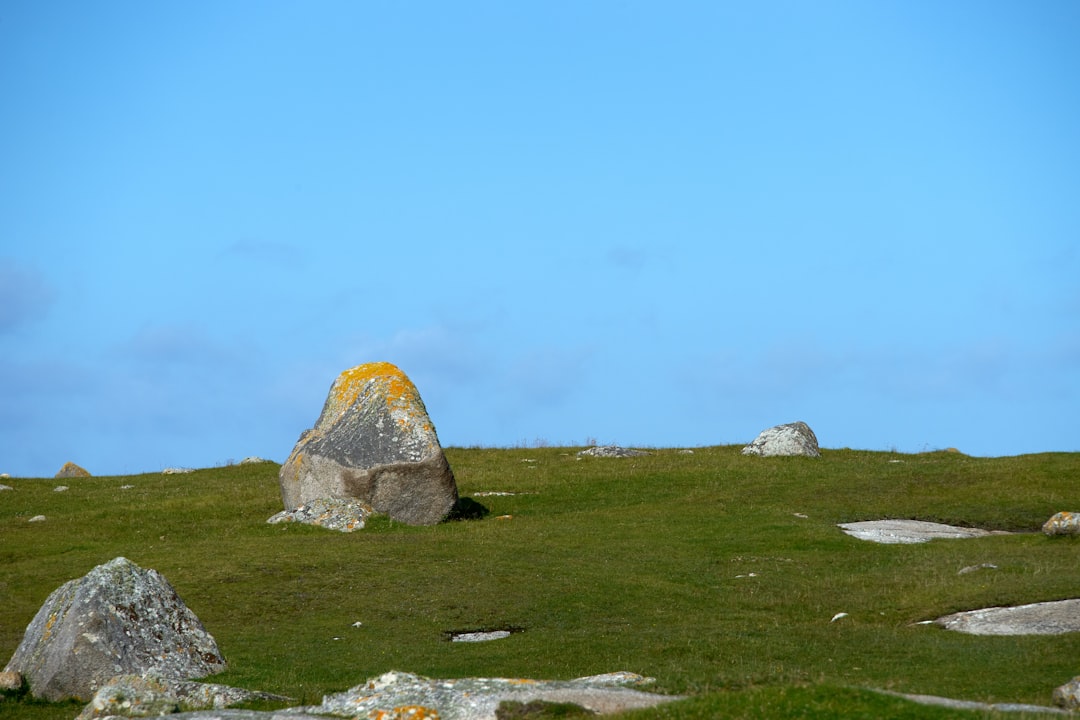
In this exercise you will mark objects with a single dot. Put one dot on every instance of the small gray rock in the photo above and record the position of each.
(1068, 695)
(1062, 523)
(782, 440)
(339, 514)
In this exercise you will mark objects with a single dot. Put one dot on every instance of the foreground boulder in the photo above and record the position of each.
(150, 695)
(375, 443)
(479, 698)
(791, 439)
(117, 619)
(1068, 695)
(1062, 523)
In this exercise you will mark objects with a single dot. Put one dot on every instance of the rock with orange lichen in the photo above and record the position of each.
(1063, 523)
(375, 443)
(71, 470)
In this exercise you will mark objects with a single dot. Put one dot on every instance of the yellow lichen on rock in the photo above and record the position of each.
(406, 712)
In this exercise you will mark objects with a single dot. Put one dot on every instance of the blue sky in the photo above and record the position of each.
(654, 224)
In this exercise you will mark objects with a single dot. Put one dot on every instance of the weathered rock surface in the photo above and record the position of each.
(10, 680)
(149, 695)
(791, 439)
(1068, 695)
(6, 487)
(892, 532)
(1062, 523)
(71, 470)
(117, 619)
(973, 705)
(478, 698)
(401, 696)
(611, 451)
(1046, 618)
(375, 443)
(331, 513)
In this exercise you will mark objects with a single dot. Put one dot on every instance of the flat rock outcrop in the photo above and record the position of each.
(150, 695)
(893, 532)
(478, 698)
(375, 443)
(405, 696)
(611, 451)
(1046, 618)
(117, 619)
(781, 440)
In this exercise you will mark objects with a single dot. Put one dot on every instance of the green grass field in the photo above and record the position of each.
(697, 569)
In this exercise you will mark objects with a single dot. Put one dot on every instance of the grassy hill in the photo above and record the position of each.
(715, 573)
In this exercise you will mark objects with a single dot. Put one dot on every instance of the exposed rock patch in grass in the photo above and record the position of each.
(910, 531)
(611, 451)
(1045, 618)
(971, 705)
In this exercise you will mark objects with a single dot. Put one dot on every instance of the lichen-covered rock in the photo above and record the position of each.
(1046, 618)
(10, 680)
(611, 451)
(330, 513)
(373, 442)
(1068, 695)
(117, 619)
(791, 439)
(71, 470)
(479, 698)
(1062, 523)
(150, 695)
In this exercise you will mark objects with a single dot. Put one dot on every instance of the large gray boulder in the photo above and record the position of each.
(791, 439)
(375, 443)
(117, 619)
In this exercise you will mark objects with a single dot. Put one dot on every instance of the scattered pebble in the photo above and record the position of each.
(6, 487)
(37, 518)
(838, 615)
(126, 487)
(60, 488)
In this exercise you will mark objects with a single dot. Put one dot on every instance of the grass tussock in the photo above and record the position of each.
(715, 573)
